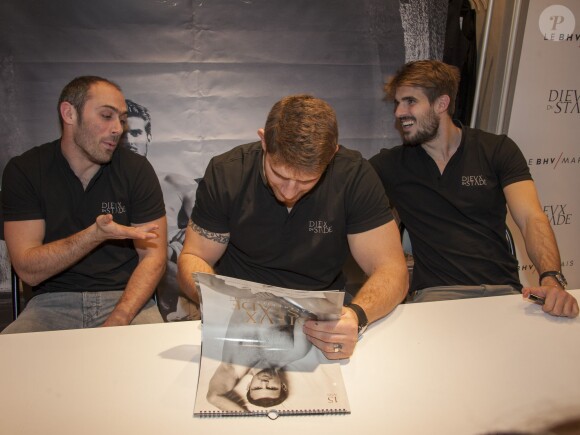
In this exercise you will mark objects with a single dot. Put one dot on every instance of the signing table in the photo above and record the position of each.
(457, 367)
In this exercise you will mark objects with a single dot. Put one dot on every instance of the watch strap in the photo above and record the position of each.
(557, 275)
(363, 321)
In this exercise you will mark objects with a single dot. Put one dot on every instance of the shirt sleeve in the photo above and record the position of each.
(210, 209)
(510, 163)
(368, 206)
(20, 197)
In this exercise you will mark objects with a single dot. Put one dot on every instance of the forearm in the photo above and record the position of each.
(527, 212)
(543, 251)
(36, 261)
(187, 265)
(138, 291)
(42, 262)
(383, 291)
(541, 244)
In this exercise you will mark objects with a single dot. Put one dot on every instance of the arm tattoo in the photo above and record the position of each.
(222, 238)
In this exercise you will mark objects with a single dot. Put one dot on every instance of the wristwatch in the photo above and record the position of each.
(363, 321)
(557, 275)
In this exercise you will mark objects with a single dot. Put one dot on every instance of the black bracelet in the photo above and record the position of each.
(363, 321)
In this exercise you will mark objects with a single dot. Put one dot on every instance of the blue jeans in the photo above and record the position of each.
(72, 310)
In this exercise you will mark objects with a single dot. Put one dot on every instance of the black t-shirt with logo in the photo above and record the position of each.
(40, 184)
(304, 248)
(456, 220)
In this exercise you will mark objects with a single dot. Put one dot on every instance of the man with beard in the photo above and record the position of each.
(85, 220)
(450, 184)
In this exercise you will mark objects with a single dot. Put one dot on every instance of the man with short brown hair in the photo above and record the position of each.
(286, 210)
(84, 219)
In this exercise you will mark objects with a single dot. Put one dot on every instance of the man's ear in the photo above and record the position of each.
(68, 113)
(284, 387)
(261, 134)
(442, 103)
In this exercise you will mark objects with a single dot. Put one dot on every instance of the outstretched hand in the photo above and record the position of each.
(557, 302)
(107, 228)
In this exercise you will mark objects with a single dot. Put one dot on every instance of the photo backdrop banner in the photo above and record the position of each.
(206, 73)
(545, 122)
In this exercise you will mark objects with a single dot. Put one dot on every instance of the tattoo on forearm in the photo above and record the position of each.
(216, 237)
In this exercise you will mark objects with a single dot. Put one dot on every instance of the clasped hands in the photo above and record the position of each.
(335, 338)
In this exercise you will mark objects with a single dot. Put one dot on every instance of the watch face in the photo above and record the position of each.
(560, 278)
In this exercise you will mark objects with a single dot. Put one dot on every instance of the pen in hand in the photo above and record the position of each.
(536, 299)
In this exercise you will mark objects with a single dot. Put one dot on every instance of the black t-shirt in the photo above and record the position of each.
(305, 248)
(456, 220)
(40, 184)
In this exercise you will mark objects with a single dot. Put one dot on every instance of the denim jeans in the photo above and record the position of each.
(74, 310)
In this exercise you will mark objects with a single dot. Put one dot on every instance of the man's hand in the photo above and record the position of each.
(108, 229)
(558, 302)
(335, 338)
(117, 318)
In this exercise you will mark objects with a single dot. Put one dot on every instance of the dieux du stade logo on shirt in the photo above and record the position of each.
(319, 227)
(113, 208)
(473, 180)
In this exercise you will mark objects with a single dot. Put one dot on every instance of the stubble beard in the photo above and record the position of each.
(427, 130)
(89, 145)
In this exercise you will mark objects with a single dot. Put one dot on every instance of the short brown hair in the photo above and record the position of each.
(302, 132)
(434, 77)
(76, 92)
